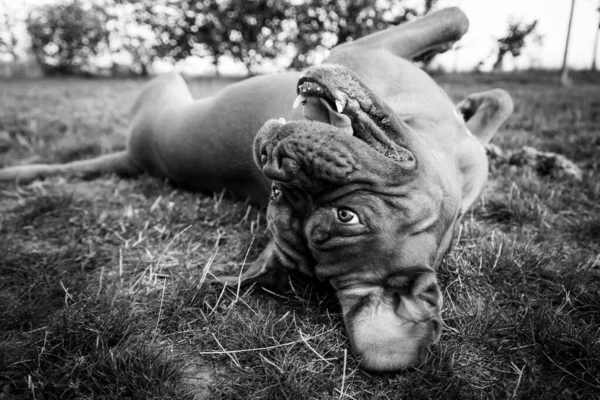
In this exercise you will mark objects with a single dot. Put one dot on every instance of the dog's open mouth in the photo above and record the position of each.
(356, 116)
(320, 105)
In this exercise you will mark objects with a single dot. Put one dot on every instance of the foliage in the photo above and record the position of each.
(515, 40)
(128, 35)
(166, 21)
(204, 25)
(8, 35)
(246, 30)
(322, 24)
(254, 27)
(66, 36)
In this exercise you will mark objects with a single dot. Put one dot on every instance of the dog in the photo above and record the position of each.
(366, 166)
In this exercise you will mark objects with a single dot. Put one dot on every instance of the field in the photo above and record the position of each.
(105, 292)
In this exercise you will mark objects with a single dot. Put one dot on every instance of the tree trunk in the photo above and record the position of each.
(594, 67)
(564, 75)
(216, 64)
(144, 73)
(498, 64)
(595, 50)
(296, 63)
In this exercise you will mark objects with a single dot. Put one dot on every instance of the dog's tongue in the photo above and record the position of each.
(318, 109)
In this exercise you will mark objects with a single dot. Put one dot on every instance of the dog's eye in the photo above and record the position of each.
(347, 217)
(275, 193)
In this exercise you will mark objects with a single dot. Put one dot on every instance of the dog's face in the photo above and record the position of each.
(359, 203)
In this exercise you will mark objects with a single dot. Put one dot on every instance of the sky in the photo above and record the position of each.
(488, 21)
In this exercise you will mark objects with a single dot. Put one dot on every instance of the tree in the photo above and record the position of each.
(8, 37)
(66, 36)
(206, 25)
(253, 29)
(564, 75)
(148, 30)
(127, 36)
(319, 25)
(515, 40)
(248, 30)
(595, 48)
(183, 28)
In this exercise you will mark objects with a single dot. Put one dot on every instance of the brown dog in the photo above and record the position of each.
(365, 191)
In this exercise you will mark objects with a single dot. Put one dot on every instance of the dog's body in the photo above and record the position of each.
(206, 144)
(366, 194)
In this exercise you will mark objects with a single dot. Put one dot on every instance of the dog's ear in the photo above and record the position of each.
(484, 112)
(266, 270)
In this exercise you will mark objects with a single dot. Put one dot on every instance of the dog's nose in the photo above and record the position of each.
(281, 169)
(263, 142)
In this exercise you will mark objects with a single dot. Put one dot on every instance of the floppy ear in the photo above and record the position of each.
(483, 112)
(266, 270)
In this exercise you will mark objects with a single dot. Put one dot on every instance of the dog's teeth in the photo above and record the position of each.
(282, 120)
(299, 100)
(339, 105)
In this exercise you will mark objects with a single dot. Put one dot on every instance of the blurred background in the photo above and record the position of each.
(245, 37)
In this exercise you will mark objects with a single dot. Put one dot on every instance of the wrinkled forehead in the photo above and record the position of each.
(318, 164)
(317, 158)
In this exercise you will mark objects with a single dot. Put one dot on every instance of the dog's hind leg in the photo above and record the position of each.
(434, 33)
(119, 163)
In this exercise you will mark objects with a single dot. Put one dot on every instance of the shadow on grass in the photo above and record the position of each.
(532, 306)
(43, 260)
(91, 349)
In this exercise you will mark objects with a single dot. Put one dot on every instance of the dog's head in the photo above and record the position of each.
(360, 201)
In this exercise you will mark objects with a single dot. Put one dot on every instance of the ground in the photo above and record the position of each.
(105, 293)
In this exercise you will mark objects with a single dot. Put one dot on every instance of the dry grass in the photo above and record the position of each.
(104, 290)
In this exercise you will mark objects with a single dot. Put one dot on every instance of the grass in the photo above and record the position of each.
(105, 294)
